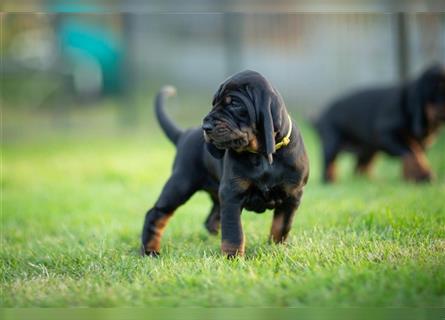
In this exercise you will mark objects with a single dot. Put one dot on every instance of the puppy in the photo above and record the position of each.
(399, 120)
(248, 154)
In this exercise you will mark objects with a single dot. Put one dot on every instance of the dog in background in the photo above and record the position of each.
(248, 154)
(399, 120)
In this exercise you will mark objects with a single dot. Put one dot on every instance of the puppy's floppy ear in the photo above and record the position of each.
(214, 151)
(267, 126)
(269, 106)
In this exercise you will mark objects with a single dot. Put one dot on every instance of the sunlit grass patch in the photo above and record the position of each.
(72, 211)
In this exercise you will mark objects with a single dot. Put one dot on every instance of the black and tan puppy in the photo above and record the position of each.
(248, 154)
(398, 120)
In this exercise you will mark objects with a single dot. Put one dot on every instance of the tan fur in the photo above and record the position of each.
(434, 122)
(276, 231)
(155, 242)
(253, 145)
(243, 184)
(415, 165)
(364, 169)
(330, 172)
(232, 249)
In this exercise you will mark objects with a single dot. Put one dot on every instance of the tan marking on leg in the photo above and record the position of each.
(330, 172)
(415, 167)
(434, 115)
(231, 249)
(276, 231)
(365, 168)
(155, 242)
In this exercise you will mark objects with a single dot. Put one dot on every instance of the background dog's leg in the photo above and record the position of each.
(331, 143)
(364, 161)
(283, 217)
(177, 191)
(213, 220)
(415, 164)
(331, 149)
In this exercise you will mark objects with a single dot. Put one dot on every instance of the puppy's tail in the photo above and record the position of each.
(170, 129)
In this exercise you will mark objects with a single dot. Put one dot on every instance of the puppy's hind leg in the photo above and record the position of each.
(283, 217)
(176, 191)
(213, 220)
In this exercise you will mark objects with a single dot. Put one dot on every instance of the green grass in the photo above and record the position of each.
(73, 204)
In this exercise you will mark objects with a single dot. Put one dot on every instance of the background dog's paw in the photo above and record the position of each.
(232, 250)
(416, 169)
(424, 177)
(234, 256)
(149, 253)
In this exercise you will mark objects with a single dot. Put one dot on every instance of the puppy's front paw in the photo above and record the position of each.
(232, 250)
(149, 253)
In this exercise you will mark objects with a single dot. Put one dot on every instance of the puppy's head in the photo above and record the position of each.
(426, 99)
(247, 114)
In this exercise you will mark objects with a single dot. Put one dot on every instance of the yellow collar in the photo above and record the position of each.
(284, 142)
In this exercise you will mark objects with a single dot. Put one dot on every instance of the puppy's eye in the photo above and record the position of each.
(227, 99)
(237, 107)
(240, 110)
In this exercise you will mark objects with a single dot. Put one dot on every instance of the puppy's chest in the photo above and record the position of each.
(267, 179)
(269, 186)
(264, 175)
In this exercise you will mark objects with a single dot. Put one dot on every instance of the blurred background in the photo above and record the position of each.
(58, 65)
(84, 76)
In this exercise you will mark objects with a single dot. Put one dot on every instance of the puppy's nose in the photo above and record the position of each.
(207, 126)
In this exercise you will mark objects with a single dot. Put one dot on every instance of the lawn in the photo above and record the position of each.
(73, 203)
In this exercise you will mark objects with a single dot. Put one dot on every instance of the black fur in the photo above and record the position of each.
(172, 132)
(398, 120)
(238, 165)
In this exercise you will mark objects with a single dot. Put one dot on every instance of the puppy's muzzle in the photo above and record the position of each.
(207, 128)
(215, 130)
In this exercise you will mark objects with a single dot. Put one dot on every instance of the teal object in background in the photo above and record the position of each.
(99, 44)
